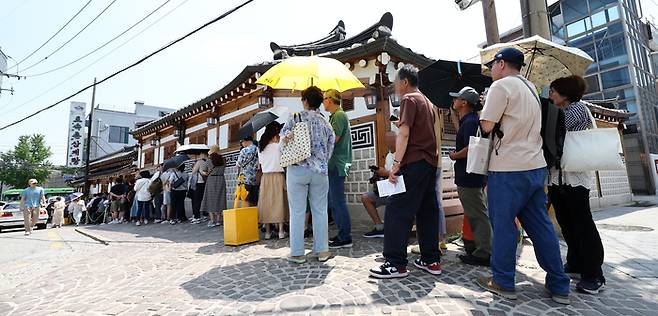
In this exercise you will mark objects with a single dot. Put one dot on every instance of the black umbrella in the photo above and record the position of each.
(175, 161)
(443, 77)
(258, 121)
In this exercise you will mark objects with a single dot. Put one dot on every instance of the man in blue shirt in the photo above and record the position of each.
(470, 186)
(31, 200)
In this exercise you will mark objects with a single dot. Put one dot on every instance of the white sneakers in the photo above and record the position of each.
(139, 223)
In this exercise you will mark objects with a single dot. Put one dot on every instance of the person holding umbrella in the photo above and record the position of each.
(272, 204)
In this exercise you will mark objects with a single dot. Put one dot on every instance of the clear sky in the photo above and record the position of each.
(204, 62)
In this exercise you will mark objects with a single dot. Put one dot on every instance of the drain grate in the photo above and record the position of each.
(624, 228)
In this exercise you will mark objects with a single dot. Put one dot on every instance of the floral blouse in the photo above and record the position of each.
(248, 162)
(322, 140)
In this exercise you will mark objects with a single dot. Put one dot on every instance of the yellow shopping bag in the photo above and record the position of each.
(240, 223)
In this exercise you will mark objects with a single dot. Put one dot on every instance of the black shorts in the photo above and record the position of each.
(252, 197)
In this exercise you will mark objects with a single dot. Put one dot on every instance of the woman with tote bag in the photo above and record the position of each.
(569, 194)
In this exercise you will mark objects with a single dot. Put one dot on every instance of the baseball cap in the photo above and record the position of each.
(467, 93)
(508, 54)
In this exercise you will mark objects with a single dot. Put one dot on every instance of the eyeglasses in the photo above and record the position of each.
(492, 64)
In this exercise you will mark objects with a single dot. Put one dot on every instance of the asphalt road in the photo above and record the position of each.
(52, 248)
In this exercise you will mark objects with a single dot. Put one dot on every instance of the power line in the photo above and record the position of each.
(74, 36)
(133, 64)
(58, 31)
(97, 60)
(106, 43)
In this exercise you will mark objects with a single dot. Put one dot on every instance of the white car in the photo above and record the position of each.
(12, 217)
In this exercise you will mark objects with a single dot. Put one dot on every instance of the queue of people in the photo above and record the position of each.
(313, 188)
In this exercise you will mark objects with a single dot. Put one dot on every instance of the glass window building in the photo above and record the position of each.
(612, 33)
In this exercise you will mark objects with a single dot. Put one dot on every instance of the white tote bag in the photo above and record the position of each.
(592, 149)
(479, 152)
(298, 148)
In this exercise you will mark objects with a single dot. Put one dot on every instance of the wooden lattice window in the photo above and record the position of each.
(201, 138)
(169, 150)
(347, 104)
(234, 133)
(148, 157)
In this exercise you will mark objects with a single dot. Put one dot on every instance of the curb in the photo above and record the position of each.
(96, 238)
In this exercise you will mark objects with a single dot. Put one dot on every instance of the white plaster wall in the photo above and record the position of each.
(223, 136)
(161, 155)
(238, 112)
(212, 136)
(196, 128)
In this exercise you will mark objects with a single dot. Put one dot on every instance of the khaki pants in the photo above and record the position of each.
(30, 218)
(474, 202)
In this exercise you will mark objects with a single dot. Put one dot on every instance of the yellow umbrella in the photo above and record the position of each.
(299, 73)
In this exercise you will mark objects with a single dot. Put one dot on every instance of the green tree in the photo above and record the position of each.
(28, 159)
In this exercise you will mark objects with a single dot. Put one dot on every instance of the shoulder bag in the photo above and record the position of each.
(592, 149)
(297, 148)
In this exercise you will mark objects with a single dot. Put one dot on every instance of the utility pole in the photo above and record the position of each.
(490, 22)
(534, 16)
(88, 140)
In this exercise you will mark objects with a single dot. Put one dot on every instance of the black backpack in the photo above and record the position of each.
(553, 132)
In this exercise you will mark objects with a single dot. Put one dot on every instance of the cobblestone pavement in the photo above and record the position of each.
(185, 270)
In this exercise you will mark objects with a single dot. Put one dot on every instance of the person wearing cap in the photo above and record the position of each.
(32, 198)
(339, 166)
(470, 186)
(247, 167)
(516, 179)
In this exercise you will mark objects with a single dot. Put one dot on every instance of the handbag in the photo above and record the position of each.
(592, 149)
(179, 181)
(298, 148)
(479, 152)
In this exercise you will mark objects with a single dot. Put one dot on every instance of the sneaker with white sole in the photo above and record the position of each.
(283, 235)
(146, 221)
(388, 271)
(297, 259)
(157, 221)
(324, 256)
(164, 222)
(172, 222)
(591, 287)
(139, 223)
(433, 268)
(267, 236)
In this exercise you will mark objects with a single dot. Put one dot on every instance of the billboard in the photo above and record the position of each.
(76, 134)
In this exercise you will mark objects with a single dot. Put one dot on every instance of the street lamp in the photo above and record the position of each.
(265, 99)
(465, 4)
(154, 142)
(393, 97)
(211, 121)
(371, 98)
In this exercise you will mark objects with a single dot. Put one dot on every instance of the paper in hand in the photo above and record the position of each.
(388, 188)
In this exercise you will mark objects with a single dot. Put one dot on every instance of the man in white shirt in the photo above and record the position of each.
(517, 174)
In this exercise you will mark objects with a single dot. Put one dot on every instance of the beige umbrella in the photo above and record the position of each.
(545, 60)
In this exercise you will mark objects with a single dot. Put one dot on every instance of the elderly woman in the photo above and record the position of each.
(308, 180)
(214, 197)
(571, 199)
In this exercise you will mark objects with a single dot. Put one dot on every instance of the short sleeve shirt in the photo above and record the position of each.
(512, 104)
(119, 189)
(32, 196)
(418, 113)
(468, 127)
(248, 163)
(341, 158)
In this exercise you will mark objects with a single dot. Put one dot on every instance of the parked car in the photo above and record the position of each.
(12, 217)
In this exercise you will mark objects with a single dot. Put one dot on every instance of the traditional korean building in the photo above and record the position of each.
(373, 56)
(103, 171)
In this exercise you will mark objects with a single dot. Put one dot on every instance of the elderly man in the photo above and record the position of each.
(416, 160)
(517, 174)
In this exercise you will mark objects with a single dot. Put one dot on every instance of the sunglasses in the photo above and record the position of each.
(492, 64)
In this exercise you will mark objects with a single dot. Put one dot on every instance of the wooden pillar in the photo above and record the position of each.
(383, 113)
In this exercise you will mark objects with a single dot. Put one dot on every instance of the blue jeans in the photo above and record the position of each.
(143, 209)
(521, 195)
(305, 186)
(338, 206)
